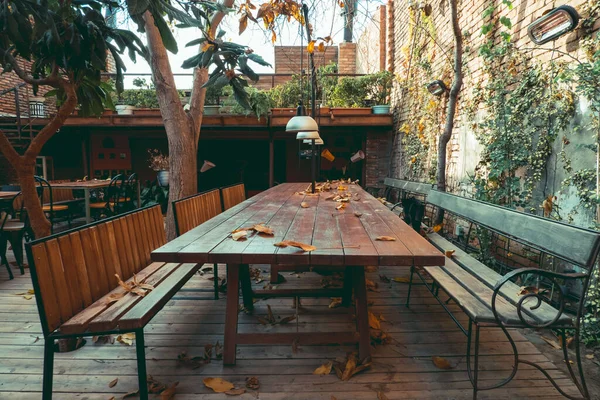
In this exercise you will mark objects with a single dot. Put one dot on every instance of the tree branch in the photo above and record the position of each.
(9, 152)
(201, 76)
(51, 80)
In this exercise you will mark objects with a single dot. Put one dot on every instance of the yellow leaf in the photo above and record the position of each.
(374, 321)
(126, 338)
(218, 385)
(273, 37)
(239, 235)
(350, 367)
(437, 228)
(324, 369)
(449, 253)
(311, 47)
(113, 382)
(28, 297)
(260, 228)
(335, 302)
(441, 363)
(386, 238)
(304, 204)
(401, 280)
(300, 245)
(321, 47)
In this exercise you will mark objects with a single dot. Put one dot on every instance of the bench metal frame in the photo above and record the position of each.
(51, 336)
(587, 262)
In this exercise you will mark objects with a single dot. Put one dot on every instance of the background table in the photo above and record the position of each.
(8, 195)
(88, 186)
(345, 238)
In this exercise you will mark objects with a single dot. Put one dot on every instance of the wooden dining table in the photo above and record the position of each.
(345, 236)
(7, 194)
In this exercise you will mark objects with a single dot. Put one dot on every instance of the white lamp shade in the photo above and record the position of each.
(318, 142)
(308, 135)
(301, 124)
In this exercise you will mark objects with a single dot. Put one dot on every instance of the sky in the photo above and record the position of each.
(324, 15)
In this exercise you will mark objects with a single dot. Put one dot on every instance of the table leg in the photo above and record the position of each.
(246, 284)
(347, 296)
(231, 314)
(139, 195)
(88, 211)
(362, 317)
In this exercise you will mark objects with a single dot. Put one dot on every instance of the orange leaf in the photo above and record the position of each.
(239, 235)
(324, 369)
(321, 47)
(113, 382)
(441, 363)
(169, 393)
(437, 228)
(386, 238)
(260, 228)
(243, 23)
(218, 385)
(304, 204)
(449, 253)
(300, 245)
(374, 322)
(311, 47)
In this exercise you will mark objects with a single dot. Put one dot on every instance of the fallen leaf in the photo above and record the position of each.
(136, 287)
(335, 302)
(441, 363)
(371, 268)
(437, 228)
(551, 342)
(300, 245)
(260, 228)
(28, 297)
(126, 338)
(239, 235)
(113, 382)
(131, 394)
(252, 383)
(324, 369)
(169, 393)
(350, 366)
(114, 297)
(218, 385)
(449, 253)
(371, 285)
(154, 385)
(374, 321)
(401, 279)
(570, 341)
(235, 392)
(341, 206)
(589, 356)
(524, 290)
(386, 238)
(381, 396)
(384, 278)
(358, 214)
(304, 204)
(112, 398)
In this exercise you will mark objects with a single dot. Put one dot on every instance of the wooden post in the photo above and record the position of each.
(271, 159)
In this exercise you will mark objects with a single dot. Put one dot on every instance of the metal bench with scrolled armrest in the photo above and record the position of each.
(491, 300)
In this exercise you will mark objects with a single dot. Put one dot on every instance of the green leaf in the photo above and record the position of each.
(258, 59)
(485, 29)
(137, 7)
(221, 34)
(488, 12)
(193, 61)
(506, 22)
(166, 34)
(195, 42)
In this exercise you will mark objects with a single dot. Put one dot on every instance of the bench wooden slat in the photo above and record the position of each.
(79, 322)
(72, 245)
(92, 264)
(71, 275)
(48, 292)
(132, 243)
(58, 277)
(153, 302)
(195, 210)
(472, 306)
(159, 225)
(109, 318)
(544, 312)
(109, 251)
(233, 195)
(571, 243)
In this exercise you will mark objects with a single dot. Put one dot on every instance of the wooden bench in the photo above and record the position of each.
(192, 211)
(233, 195)
(513, 301)
(78, 294)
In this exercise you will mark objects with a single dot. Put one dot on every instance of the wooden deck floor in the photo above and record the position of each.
(401, 370)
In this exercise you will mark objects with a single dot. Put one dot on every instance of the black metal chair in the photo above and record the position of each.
(46, 195)
(12, 229)
(113, 195)
(130, 193)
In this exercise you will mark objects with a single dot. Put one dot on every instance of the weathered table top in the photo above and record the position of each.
(93, 184)
(8, 194)
(341, 237)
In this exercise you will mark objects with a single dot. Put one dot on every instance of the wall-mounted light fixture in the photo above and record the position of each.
(553, 24)
(437, 88)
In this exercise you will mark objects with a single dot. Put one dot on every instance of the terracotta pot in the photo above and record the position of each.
(350, 111)
(283, 111)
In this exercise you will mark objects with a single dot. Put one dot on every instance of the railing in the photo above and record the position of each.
(19, 127)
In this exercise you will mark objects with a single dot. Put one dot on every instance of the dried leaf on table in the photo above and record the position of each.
(324, 369)
(401, 279)
(450, 253)
(169, 393)
(243, 229)
(126, 338)
(253, 383)
(358, 214)
(304, 204)
(386, 238)
(341, 188)
(335, 302)
(441, 363)
(235, 392)
(341, 206)
(265, 230)
(374, 322)
(113, 383)
(218, 385)
(300, 245)
(239, 235)
(384, 278)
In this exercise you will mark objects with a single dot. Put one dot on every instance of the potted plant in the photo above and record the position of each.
(212, 101)
(379, 90)
(160, 163)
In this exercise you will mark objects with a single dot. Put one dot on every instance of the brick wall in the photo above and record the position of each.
(377, 158)
(347, 58)
(463, 150)
(371, 45)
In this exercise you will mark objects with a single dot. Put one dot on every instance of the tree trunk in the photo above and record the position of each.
(39, 223)
(452, 105)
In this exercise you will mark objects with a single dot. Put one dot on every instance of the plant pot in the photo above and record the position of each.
(149, 112)
(341, 111)
(283, 111)
(123, 109)
(163, 178)
(381, 109)
(212, 110)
